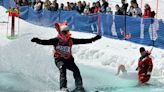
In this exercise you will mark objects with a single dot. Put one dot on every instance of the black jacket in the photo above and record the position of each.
(54, 41)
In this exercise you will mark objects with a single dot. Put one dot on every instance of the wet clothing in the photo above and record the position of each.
(145, 65)
(63, 49)
(63, 57)
(69, 64)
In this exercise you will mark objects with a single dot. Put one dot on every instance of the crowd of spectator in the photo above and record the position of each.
(134, 10)
(81, 6)
(101, 6)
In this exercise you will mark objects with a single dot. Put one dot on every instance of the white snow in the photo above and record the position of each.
(29, 67)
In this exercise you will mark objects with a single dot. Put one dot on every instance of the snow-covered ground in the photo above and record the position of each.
(28, 67)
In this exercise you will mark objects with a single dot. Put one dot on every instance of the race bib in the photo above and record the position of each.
(63, 49)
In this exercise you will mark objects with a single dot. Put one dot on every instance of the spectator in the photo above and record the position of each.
(33, 3)
(118, 10)
(84, 5)
(69, 6)
(24, 3)
(73, 7)
(61, 6)
(136, 11)
(130, 11)
(47, 4)
(124, 7)
(54, 6)
(97, 7)
(147, 21)
(108, 10)
(134, 1)
(119, 22)
(30, 2)
(104, 6)
(147, 11)
(18, 2)
(86, 10)
(93, 7)
(80, 7)
(38, 5)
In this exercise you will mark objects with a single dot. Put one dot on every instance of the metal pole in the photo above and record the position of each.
(157, 10)
(99, 24)
(125, 25)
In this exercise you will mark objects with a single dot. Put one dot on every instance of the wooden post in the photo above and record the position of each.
(12, 25)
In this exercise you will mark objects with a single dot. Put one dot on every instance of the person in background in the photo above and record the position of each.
(86, 10)
(124, 7)
(104, 6)
(18, 2)
(61, 6)
(25, 3)
(135, 1)
(136, 12)
(84, 5)
(33, 2)
(73, 7)
(54, 6)
(119, 22)
(47, 5)
(97, 7)
(93, 7)
(80, 7)
(118, 10)
(147, 11)
(38, 5)
(147, 21)
(130, 11)
(145, 66)
(109, 10)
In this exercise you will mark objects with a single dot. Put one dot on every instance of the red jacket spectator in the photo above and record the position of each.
(97, 9)
(147, 11)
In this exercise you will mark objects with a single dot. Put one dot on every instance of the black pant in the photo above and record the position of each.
(64, 64)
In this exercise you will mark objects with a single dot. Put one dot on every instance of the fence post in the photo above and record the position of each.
(157, 10)
(99, 24)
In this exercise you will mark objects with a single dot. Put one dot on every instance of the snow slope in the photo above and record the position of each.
(28, 67)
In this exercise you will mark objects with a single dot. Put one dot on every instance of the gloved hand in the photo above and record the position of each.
(57, 26)
(96, 38)
(35, 39)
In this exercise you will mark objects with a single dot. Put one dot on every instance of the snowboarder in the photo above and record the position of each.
(145, 67)
(63, 54)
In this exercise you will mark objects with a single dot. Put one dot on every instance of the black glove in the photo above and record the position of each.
(96, 37)
(35, 40)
